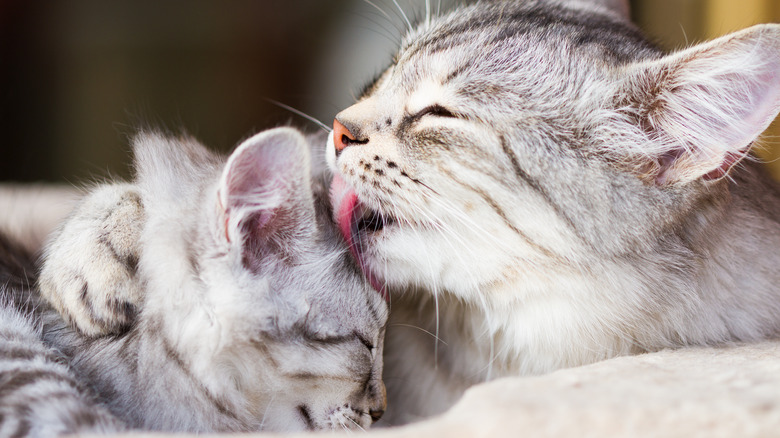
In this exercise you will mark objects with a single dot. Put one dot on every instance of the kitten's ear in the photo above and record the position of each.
(702, 108)
(265, 189)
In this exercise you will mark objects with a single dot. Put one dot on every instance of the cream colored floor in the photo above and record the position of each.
(697, 392)
(30, 212)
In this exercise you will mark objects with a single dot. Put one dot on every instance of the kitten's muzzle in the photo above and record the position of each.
(377, 399)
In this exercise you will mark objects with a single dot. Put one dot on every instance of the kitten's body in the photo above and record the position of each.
(246, 313)
(550, 191)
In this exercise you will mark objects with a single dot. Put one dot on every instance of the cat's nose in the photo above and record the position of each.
(378, 400)
(376, 414)
(343, 137)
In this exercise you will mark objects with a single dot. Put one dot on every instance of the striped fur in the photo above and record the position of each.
(40, 396)
(229, 301)
(540, 187)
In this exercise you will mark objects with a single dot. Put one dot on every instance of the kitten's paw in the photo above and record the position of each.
(89, 269)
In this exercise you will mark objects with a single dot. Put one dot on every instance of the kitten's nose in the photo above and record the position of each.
(376, 414)
(343, 137)
(378, 401)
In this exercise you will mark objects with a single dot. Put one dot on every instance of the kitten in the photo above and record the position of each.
(537, 187)
(237, 306)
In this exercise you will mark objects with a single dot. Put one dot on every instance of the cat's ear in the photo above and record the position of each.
(701, 109)
(265, 190)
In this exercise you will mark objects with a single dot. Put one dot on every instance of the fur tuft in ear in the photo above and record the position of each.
(702, 108)
(264, 190)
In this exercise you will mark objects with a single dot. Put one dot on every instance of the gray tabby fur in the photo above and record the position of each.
(237, 307)
(40, 395)
(556, 191)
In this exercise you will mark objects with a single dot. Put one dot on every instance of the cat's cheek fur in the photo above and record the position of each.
(428, 258)
(448, 236)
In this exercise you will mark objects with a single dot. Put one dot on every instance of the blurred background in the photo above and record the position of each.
(77, 77)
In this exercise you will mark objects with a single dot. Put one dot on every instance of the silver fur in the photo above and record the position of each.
(557, 191)
(237, 307)
(40, 395)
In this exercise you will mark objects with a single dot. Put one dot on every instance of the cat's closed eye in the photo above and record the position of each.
(338, 339)
(435, 110)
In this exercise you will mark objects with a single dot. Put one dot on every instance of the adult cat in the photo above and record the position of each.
(250, 314)
(539, 187)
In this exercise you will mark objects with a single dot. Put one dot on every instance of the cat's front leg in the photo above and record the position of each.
(89, 269)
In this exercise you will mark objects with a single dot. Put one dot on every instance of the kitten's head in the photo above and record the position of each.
(253, 290)
(518, 136)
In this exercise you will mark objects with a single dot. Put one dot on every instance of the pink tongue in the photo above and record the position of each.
(346, 199)
(345, 202)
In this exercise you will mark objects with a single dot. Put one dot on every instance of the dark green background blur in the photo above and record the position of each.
(77, 77)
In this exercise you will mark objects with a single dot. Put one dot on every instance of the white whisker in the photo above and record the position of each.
(393, 34)
(403, 14)
(385, 33)
(262, 422)
(421, 329)
(382, 11)
(301, 113)
(356, 424)
(344, 425)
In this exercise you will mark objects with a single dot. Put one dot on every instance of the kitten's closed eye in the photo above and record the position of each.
(332, 340)
(435, 110)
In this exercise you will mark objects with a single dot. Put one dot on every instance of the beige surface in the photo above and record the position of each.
(30, 212)
(697, 392)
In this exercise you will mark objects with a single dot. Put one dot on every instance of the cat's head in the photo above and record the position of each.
(524, 137)
(251, 288)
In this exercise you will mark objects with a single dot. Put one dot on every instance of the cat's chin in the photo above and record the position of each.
(358, 223)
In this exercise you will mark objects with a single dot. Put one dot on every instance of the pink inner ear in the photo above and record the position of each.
(729, 161)
(718, 100)
(223, 212)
